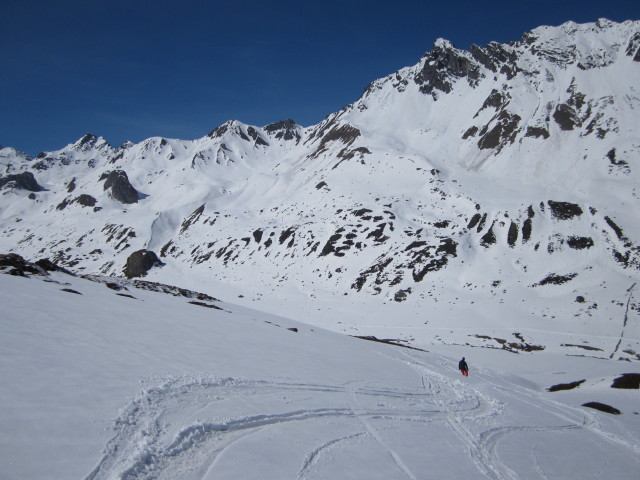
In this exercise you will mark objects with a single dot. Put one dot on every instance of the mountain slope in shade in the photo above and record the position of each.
(504, 176)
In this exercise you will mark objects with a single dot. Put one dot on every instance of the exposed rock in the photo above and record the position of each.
(401, 295)
(85, 200)
(489, 238)
(627, 380)
(191, 219)
(603, 407)
(443, 65)
(70, 290)
(21, 181)
(503, 131)
(284, 130)
(495, 100)
(512, 236)
(527, 228)
(566, 117)
(346, 134)
(580, 243)
(615, 228)
(474, 221)
(565, 386)
(537, 132)
(583, 347)
(121, 189)
(48, 266)
(258, 140)
(553, 279)
(140, 262)
(564, 210)
(497, 58)
(471, 132)
(329, 247)
(633, 48)
(17, 265)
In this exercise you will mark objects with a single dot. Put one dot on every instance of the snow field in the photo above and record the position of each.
(100, 386)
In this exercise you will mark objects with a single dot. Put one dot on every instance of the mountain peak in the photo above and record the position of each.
(284, 130)
(89, 141)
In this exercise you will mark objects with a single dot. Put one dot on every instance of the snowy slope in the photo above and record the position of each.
(497, 184)
(111, 379)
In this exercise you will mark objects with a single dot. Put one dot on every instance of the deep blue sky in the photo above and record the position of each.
(129, 70)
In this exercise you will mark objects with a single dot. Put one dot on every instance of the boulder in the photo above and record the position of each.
(121, 189)
(140, 262)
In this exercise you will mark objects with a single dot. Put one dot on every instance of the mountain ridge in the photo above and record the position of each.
(490, 174)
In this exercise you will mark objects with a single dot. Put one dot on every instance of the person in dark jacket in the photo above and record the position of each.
(464, 368)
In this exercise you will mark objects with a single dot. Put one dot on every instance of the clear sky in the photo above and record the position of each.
(132, 69)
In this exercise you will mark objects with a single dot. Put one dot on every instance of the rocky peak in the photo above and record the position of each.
(442, 66)
(284, 130)
(89, 142)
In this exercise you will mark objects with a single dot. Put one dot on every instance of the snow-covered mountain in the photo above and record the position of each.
(500, 179)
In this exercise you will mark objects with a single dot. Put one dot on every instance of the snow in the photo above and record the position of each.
(98, 385)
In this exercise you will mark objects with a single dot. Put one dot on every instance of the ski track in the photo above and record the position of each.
(144, 447)
(482, 447)
(312, 457)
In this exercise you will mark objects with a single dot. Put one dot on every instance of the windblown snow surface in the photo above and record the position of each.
(99, 383)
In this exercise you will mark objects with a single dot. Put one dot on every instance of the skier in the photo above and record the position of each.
(464, 368)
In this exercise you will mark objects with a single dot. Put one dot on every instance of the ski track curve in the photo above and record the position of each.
(146, 446)
(148, 441)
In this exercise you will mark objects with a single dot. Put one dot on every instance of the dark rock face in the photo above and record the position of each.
(537, 132)
(512, 236)
(22, 181)
(121, 189)
(85, 200)
(553, 279)
(257, 138)
(17, 265)
(140, 262)
(488, 238)
(564, 210)
(565, 386)
(603, 407)
(627, 380)
(48, 266)
(503, 131)
(284, 130)
(633, 49)
(197, 213)
(580, 243)
(441, 65)
(566, 117)
(87, 142)
(615, 228)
